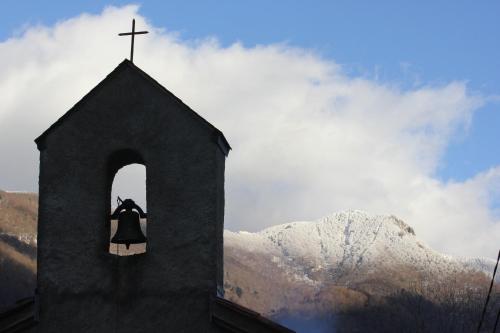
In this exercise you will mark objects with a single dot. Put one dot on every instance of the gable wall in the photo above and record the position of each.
(84, 288)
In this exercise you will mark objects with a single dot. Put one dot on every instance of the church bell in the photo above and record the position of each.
(129, 226)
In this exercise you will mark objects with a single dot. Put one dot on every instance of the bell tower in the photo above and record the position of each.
(130, 118)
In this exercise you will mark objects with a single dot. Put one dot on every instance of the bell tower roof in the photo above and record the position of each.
(125, 65)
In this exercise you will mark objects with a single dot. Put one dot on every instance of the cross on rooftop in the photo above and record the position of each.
(133, 33)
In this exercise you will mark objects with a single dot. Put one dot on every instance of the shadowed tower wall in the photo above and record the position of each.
(128, 118)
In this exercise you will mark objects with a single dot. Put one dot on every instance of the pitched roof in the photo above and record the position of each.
(219, 138)
(238, 319)
(19, 317)
(226, 314)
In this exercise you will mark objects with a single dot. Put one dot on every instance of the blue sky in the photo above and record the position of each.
(408, 43)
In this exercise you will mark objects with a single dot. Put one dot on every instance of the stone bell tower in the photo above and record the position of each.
(130, 118)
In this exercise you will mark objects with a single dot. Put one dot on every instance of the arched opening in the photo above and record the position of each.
(129, 183)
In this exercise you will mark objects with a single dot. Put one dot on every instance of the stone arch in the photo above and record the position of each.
(117, 162)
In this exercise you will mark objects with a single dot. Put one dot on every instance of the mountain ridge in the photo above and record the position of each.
(352, 240)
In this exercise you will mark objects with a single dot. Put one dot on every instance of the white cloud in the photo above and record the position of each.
(308, 140)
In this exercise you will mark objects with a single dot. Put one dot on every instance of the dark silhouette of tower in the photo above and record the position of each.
(177, 284)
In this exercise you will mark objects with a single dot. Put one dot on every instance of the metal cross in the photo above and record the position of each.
(133, 33)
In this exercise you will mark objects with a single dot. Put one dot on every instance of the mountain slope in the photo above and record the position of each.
(350, 256)
(18, 220)
(18, 214)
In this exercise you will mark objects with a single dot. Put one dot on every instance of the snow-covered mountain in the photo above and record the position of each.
(351, 253)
